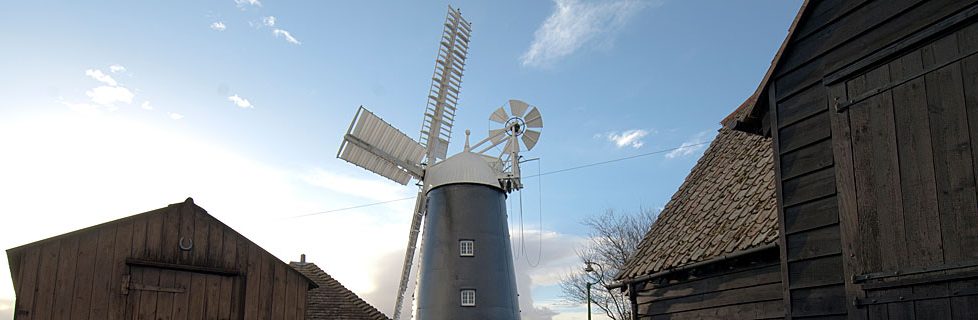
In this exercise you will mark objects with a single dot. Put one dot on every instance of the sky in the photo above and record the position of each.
(112, 108)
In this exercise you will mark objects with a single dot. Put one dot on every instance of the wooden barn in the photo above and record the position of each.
(712, 253)
(177, 262)
(331, 300)
(872, 108)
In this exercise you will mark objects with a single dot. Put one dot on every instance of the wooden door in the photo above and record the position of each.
(904, 139)
(158, 294)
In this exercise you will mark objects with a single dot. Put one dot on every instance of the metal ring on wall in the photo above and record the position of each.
(186, 247)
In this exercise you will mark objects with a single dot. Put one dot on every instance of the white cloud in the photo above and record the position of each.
(175, 116)
(691, 146)
(99, 76)
(241, 102)
(268, 21)
(243, 3)
(109, 95)
(219, 26)
(146, 105)
(115, 68)
(288, 37)
(576, 23)
(629, 138)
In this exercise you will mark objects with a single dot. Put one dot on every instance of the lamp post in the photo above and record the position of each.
(589, 269)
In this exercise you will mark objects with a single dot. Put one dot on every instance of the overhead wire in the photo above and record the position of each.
(684, 146)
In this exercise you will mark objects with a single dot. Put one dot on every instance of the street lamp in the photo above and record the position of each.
(589, 269)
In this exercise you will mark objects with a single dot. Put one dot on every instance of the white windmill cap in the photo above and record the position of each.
(464, 167)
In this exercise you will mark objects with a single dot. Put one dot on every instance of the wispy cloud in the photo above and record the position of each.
(692, 145)
(629, 138)
(288, 37)
(100, 76)
(268, 21)
(241, 102)
(576, 23)
(175, 116)
(109, 95)
(115, 68)
(219, 26)
(146, 106)
(243, 3)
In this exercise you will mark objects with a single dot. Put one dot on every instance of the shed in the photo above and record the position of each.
(873, 107)
(331, 300)
(712, 252)
(176, 262)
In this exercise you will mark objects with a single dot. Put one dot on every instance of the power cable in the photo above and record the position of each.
(684, 146)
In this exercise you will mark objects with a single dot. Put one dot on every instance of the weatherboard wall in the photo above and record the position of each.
(746, 287)
(134, 268)
(874, 118)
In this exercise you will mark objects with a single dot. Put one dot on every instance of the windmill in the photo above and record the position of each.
(466, 269)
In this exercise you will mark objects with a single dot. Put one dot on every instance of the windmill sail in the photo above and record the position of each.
(375, 145)
(436, 130)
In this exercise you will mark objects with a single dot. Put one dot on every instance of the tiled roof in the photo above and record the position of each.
(726, 204)
(332, 300)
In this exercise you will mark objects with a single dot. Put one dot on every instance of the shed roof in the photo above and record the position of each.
(332, 300)
(726, 204)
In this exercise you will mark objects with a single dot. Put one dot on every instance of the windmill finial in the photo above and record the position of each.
(467, 133)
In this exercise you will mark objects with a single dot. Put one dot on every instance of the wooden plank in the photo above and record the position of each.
(815, 272)
(102, 283)
(85, 274)
(292, 281)
(811, 215)
(170, 243)
(917, 181)
(165, 300)
(65, 278)
(252, 284)
(822, 13)
(214, 296)
(201, 229)
(198, 296)
(147, 299)
(123, 249)
(819, 301)
(278, 294)
(757, 310)
(741, 279)
(182, 267)
(215, 243)
(804, 132)
(913, 21)
(266, 286)
(186, 234)
(230, 247)
(802, 105)
(779, 192)
(848, 214)
(181, 301)
(964, 307)
(30, 264)
(767, 292)
(954, 170)
(852, 27)
(814, 243)
(876, 162)
(809, 187)
(154, 235)
(932, 308)
(240, 283)
(46, 280)
(807, 159)
(302, 290)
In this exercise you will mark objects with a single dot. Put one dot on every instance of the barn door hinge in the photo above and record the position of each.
(128, 285)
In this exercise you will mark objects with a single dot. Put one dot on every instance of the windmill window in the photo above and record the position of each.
(468, 297)
(466, 248)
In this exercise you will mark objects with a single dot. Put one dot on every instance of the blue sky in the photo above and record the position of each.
(117, 107)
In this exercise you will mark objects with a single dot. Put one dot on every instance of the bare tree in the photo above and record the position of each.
(613, 238)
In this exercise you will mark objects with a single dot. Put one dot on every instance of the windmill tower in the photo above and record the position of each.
(466, 269)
